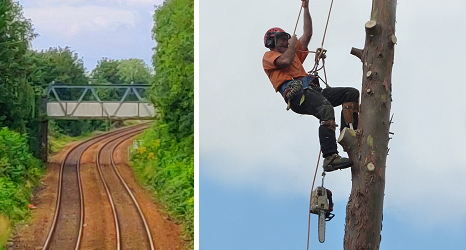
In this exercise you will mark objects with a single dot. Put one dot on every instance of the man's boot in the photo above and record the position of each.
(335, 161)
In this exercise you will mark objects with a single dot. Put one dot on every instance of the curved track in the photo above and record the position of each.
(67, 226)
(129, 219)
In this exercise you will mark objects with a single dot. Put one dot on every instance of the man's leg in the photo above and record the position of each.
(349, 99)
(317, 105)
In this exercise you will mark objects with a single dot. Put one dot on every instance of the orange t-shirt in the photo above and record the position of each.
(280, 75)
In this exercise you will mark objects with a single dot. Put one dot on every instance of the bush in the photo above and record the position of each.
(19, 173)
(167, 166)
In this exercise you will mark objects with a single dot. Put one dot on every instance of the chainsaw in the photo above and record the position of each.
(322, 205)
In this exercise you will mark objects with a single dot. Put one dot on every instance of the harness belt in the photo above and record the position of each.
(295, 87)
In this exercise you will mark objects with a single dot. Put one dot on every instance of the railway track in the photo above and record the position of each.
(66, 231)
(129, 219)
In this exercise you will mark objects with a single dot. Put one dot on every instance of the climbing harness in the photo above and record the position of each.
(294, 87)
(330, 124)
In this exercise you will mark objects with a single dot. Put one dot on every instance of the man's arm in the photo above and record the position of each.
(286, 59)
(306, 37)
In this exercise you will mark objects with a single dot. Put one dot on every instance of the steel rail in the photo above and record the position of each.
(107, 189)
(133, 198)
(60, 182)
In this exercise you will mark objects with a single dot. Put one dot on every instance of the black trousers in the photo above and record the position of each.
(320, 103)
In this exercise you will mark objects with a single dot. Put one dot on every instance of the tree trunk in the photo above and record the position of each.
(368, 146)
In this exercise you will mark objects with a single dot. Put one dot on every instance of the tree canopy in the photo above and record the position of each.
(16, 95)
(124, 71)
(173, 89)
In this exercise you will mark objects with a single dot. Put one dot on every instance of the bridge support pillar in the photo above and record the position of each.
(44, 142)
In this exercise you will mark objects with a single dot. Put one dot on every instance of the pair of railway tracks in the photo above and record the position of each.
(131, 230)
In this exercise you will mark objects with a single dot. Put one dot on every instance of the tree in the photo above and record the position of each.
(106, 71)
(368, 146)
(16, 95)
(63, 66)
(173, 88)
(60, 65)
(124, 71)
(134, 71)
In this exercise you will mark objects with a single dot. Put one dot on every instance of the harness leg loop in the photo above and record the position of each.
(330, 124)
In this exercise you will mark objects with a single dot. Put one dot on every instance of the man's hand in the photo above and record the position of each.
(287, 57)
(307, 34)
(305, 3)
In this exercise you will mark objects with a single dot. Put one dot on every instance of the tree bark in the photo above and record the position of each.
(368, 146)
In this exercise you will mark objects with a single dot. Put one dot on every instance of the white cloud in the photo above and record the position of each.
(133, 3)
(72, 21)
(140, 2)
(76, 17)
(94, 29)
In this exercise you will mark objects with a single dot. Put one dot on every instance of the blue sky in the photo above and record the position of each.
(246, 219)
(118, 29)
(256, 160)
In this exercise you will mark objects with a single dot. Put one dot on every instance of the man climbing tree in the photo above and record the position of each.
(283, 64)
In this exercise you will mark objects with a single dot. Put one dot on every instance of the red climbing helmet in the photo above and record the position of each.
(271, 34)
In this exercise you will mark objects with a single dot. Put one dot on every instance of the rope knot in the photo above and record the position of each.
(320, 54)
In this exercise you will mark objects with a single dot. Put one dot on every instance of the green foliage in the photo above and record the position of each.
(167, 166)
(125, 71)
(106, 71)
(16, 98)
(63, 66)
(173, 89)
(25, 74)
(5, 230)
(134, 71)
(58, 139)
(60, 65)
(165, 158)
(19, 172)
(79, 127)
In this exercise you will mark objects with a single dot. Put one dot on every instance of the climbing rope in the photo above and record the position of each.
(297, 20)
(320, 52)
(310, 202)
(320, 55)
(326, 24)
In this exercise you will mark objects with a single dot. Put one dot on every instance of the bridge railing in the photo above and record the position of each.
(113, 101)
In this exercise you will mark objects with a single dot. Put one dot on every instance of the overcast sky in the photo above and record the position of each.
(257, 159)
(117, 29)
